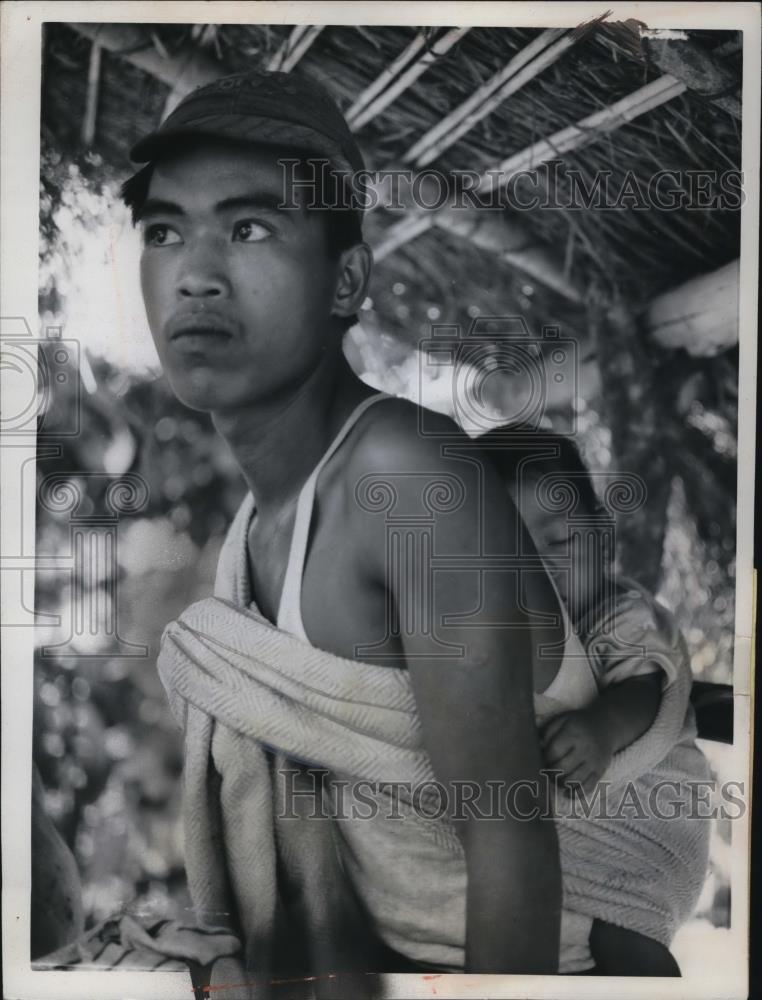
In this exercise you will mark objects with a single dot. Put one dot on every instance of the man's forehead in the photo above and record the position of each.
(224, 162)
(208, 176)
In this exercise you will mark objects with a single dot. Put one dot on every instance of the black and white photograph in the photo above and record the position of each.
(378, 470)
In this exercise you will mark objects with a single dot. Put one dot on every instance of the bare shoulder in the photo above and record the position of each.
(395, 434)
(398, 445)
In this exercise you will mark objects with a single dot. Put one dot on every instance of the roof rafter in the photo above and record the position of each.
(537, 56)
(292, 50)
(700, 315)
(576, 136)
(93, 86)
(189, 67)
(399, 75)
(540, 53)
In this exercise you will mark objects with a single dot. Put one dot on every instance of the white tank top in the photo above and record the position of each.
(574, 685)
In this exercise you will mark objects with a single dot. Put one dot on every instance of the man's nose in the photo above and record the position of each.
(203, 277)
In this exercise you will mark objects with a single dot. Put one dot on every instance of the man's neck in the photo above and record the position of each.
(278, 443)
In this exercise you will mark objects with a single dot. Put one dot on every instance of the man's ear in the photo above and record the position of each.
(355, 265)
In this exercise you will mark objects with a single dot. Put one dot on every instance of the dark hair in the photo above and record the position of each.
(342, 226)
(510, 447)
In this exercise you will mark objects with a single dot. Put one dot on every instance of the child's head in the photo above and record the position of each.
(553, 491)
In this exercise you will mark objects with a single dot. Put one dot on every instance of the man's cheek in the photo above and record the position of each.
(155, 317)
(153, 281)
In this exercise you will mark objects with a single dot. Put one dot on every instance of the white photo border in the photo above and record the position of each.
(20, 66)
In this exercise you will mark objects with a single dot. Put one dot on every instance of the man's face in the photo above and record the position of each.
(238, 293)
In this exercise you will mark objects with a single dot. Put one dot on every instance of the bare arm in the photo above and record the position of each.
(582, 744)
(477, 713)
(627, 710)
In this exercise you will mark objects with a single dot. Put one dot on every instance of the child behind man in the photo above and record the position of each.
(633, 646)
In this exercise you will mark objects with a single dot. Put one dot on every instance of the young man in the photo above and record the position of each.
(247, 302)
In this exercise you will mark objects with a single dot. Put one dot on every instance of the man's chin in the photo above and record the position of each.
(201, 393)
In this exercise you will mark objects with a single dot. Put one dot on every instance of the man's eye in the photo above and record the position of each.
(250, 232)
(160, 236)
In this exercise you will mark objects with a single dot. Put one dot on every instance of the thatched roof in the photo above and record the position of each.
(632, 252)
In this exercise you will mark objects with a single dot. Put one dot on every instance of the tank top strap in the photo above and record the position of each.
(290, 607)
(574, 685)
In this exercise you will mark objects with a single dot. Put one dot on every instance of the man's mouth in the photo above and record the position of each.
(212, 332)
(198, 333)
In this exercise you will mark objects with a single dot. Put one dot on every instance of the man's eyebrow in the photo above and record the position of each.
(269, 202)
(158, 206)
(263, 200)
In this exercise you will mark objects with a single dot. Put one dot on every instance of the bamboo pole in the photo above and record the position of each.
(386, 76)
(525, 65)
(701, 315)
(190, 67)
(577, 136)
(587, 130)
(292, 50)
(400, 75)
(93, 88)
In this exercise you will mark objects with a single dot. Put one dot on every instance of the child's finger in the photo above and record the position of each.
(590, 782)
(560, 768)
(575, 779)
(571, 764)
(557, 749)
(577, 774)
(552, 728)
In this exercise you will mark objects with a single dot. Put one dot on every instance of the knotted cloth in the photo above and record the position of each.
(251, 698)
(258, 707)
(310, 896)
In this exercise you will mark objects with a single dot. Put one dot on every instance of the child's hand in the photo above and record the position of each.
(579, 745)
